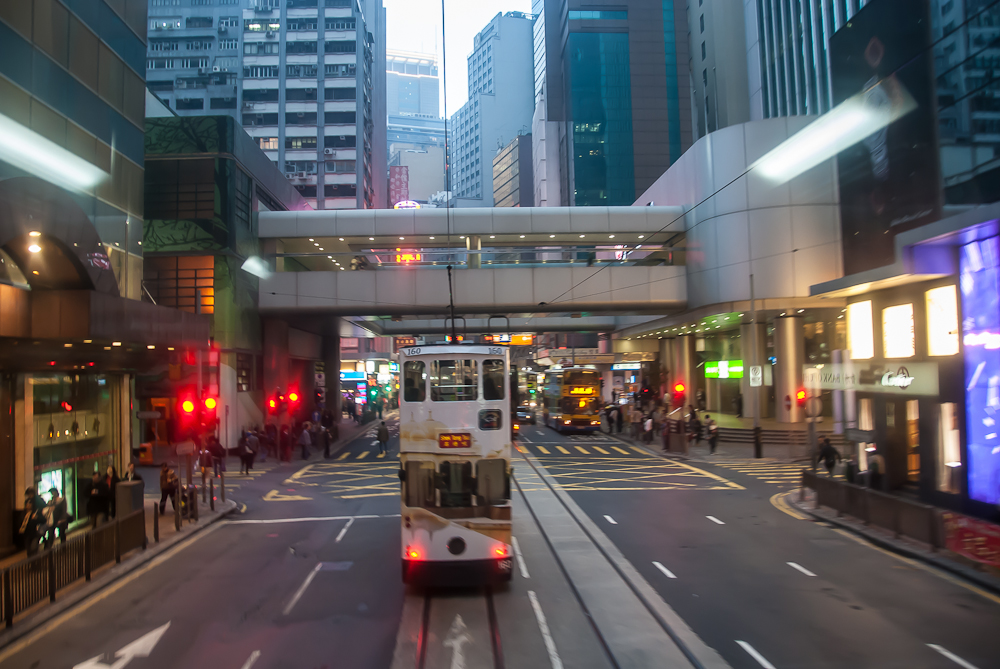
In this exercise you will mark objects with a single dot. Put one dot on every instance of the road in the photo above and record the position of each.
(738, 569)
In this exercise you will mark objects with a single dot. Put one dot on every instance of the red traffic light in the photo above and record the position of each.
(210, 403)
(293, 396)
(187, 406)
(679, 387)
(272, 403)
(66, 405)
(800, 396)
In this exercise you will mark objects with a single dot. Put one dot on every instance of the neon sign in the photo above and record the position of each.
(406, 204)
(581, 391)
(407, 258)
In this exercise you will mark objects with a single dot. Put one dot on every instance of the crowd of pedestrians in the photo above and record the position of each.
(648, 423)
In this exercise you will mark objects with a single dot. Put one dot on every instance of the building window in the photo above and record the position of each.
(860, 337)
(300, 118)
(198, 22)
(949, 450)
(340, 190)
(228, 44)
(160, 64)
(260, 72)
(229, 21)
(340, 142)
(897, 331)
(186, 283)
(194, 62)
(163, 46)
(703, 51)
(300, 47)
(222, 103)
(260, 119)
(300, 142)
(198, 45)
(244, 372)
(701, 22)
(942, 321)
(293, 166)
(341, 47)
(260, 48)
(340, 118)
(302, 24)
(190, 103)
(340, 24)
(341, 93)
(340, 166)
(228, 63)
(300, 94)
(261, 25)
(268, 143)
(303, 71)
(161, 23)
(260, 94)
(340, 70)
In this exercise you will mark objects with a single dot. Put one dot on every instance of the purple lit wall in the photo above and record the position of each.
(980, 271)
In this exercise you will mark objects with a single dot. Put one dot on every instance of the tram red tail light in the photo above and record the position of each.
(412, 553)
(501, 551)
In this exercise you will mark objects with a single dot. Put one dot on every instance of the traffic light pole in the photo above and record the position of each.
(758, 448)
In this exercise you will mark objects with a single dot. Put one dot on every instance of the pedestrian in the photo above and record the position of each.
(305, 440)
(285, 444)
(876, 468)
(636, 420)
(253, 448)
(829, 456)
(325, 440)
(271, 431)
(97, 502)
(56, 517)
(111, 477)
(713, 433)
(383, 437)
(34, 520)
(647, 428)
(694, 429)
(378, 406)
(130, 473)
(242, 449)
(168, 486)
(619, 419)
(218, 454)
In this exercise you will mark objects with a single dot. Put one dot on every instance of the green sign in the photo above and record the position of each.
(724, 369)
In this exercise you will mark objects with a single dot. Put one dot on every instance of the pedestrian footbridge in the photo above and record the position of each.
(592, 260)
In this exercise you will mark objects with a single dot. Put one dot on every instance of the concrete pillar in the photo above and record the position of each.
(750, 395)
(276, 364)
(789, 349)
(667, 364)
(685, 369)
(331, 363)
(609, 379)
(474, 243)
(269, 246)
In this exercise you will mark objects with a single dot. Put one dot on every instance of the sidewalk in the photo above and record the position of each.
(107, 575)
(804, 500)
(725, 451)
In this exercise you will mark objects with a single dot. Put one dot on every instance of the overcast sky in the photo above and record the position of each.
(415, 25)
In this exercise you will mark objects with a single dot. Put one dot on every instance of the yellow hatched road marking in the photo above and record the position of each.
(711, 475)
(600, 450)
(562, 450)
(779, 502)
(583, 450)
(639, 450)
(362, 455)
(380, 455)
(343, 456)
(620, 450)
(543, 449)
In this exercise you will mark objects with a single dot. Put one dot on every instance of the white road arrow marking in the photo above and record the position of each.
(458, 636)
(141, 647)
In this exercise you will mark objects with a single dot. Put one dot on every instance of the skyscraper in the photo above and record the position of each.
(614, 86)
(415, 126)
(499, 107)
(306, 78)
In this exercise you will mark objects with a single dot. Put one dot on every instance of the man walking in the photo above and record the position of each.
(305, 440)
(829, 455)
(712, 428)
(383, 438)
(168, 486)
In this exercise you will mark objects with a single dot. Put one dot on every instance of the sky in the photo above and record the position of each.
(415, 25)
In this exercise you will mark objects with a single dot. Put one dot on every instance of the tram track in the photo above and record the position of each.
(456, 639)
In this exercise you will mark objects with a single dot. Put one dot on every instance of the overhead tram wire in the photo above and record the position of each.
(748, 169)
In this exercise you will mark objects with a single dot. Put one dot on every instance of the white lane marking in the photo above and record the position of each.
(543, 627)
(715, 520)
(666, 572)
(951, 656)
(344, 531)
(457, 637)
(315, 519)
(795, 565)
(254, 656)
(761, 660)
(302, 588)
(520, 558)
(610, 520)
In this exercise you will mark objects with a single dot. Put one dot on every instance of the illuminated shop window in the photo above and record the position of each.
(942, 321)
(860, 338)
(897, 331)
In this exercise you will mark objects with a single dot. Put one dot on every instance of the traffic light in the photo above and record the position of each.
(272, 405)
(372, 394)
(679, 390)
(209, 415)
(800, 397)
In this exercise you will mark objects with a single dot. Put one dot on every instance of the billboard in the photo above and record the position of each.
(890, 181)
(399, 183)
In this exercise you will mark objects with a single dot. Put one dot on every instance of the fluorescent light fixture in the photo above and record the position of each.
(34, 233)
(256, 266)
(34, 248)
(854, 119)
(29, 151)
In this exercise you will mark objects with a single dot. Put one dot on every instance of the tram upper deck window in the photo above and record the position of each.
(584, 377)
(454, 381)
(493, 379)
(414, 381)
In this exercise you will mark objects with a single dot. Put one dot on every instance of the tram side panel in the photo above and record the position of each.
(455, 466)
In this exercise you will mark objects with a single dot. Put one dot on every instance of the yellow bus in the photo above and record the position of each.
(572, 400)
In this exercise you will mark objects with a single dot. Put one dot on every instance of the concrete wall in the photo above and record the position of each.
(787, 236)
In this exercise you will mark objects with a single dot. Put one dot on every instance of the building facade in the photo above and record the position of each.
(415, 131)
(512, 182)
(75, 330)
(499, 107)
(306, 78)
(614, 84)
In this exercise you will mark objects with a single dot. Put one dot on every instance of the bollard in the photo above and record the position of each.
(204, 487)
(145, 537)
(222, 484)
(88, 554)
(211, 493)
(194, 505)
(177, 509)
(156, 523)
(118, 541)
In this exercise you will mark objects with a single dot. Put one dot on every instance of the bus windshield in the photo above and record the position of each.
(584, 377)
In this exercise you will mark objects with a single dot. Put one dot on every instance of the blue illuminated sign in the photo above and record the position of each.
(353, 376)
(980, 267)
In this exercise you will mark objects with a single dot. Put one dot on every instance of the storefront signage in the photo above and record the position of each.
(724, 369)
(974, 539)
(352, 376)
(403, 342)
(626, 365)
(915, 378)
(459, 440)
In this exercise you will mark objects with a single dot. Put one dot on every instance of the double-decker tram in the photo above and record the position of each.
(454, 458)
(573, 400)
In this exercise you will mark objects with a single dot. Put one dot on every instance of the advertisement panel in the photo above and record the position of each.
(974, 539)
(399, 183)
(890, 181)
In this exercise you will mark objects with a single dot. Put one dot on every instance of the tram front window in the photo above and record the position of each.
(454, 381)
(493, 379)
(456, 484)
(414, 381)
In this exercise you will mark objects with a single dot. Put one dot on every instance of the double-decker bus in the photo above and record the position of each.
(454, 459)
(572, 400)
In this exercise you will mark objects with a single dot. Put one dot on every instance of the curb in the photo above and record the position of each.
(25, 627)
(984, 581)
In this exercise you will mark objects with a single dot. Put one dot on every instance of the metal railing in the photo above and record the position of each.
(30, 581)
(902, 517)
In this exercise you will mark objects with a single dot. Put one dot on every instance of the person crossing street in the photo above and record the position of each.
(383, 438)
